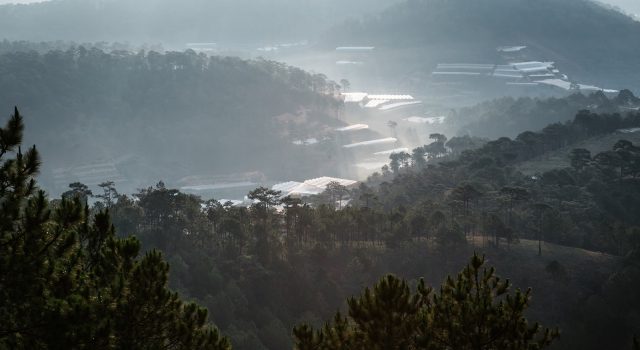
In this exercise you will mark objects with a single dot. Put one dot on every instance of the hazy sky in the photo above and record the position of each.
(632, 6)
(18, 1)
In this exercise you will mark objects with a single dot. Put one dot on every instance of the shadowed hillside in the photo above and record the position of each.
(587, 41)
(139, 118)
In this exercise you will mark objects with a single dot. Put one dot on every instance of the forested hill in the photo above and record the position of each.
(508, 116)
(151, 116)
(587, 40)
(177, 22)
(260, 270)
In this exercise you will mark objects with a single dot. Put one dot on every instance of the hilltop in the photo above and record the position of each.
(588, 42)
(560, 158)
(176, 116)
(510, 116)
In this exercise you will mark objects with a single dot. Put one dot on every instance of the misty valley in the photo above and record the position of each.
(321, 174)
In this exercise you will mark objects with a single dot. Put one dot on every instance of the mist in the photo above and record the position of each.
(319, 174)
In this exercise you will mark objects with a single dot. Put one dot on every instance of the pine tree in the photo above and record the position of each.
(336, 335)
(386, 316)
(473, 311)
(67, 281)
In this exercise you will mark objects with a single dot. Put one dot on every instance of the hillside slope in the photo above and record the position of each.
(587, 41)
(509, 117)
(175, 115)
(559, 159)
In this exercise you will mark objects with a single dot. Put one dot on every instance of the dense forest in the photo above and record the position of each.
(509, 116)
(244, 114)
(67, 281)
(497, 198)
(42, 47)
(283, 261)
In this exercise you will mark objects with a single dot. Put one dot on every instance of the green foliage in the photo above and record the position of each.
(474, 310)
(385, 317)
(261, 269)
(66, 280)
(88, 104)
(509, 116)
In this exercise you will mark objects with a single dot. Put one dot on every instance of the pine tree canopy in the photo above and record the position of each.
(473, 311)
(67, 281)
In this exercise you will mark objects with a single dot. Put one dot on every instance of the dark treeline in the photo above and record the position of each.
(68, 280)
(162, 107)
(483, 188)
(478, 192)
(8, 46)
(243, 264)
(509, 117)
(474, 310)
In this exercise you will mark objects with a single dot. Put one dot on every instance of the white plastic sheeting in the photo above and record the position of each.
(391, 106)
(309, 187)
(293, 188)
(390, 97)
(563, 84)
(360, 96)
(353, 127)
(629, 131)
(375, 103)
(371, 165)
(508, 75)
(425, 120)
(286, 186)
(217, 186)
(371, 142)
(511, 48)
(311, 141)
(322, 182)
(355, 48)
(349, 63)
(356, 97)
(392, 151)
(533, 66)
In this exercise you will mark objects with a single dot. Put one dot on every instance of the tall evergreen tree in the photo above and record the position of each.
(473, 311)
(67, 281)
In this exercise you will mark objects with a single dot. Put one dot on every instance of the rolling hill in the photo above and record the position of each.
(176, 116)
(587, 41)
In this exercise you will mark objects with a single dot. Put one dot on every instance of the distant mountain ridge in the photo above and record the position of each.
(177, 22)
